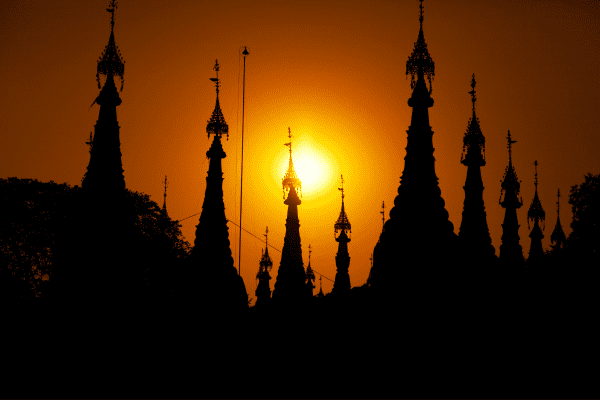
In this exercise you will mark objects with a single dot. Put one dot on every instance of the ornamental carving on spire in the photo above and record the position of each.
(420, 62)
(473, 141)
(216, 124)
(536, 212)
(290, 179)
(511, 185)
(110, 62)
(342, 223)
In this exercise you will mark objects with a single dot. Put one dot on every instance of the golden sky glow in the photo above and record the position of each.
(333, 71)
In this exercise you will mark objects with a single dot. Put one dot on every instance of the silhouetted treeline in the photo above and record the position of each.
(34, 212)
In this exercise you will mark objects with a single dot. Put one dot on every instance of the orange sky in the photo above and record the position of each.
(334, 71)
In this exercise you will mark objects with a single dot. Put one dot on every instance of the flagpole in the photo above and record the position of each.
(245, 53)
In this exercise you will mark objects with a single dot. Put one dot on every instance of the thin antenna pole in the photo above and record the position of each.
(245, 53)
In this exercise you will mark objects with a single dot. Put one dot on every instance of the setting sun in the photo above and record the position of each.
(313, 164)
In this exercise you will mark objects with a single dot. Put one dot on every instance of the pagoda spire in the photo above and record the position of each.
(342, 258)
(474, 234)
(511, 252)
(164, 207)
(418, 227)
(211, 261)
(558, 238)
(536, 214)
(310, 275)
(104, 176)
(320, 294)
(263, 289)
(289, 286)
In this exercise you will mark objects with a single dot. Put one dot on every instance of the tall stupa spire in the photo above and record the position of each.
(511, 252)
(104, 176)
(263, 290)
(164, 207)
(418, 227)
(536, 214)
(211, 262)
(289, 286)
(558, 237)
(474, 235)
(342, 259)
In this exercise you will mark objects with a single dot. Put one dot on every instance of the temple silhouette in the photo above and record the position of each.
(429, 288)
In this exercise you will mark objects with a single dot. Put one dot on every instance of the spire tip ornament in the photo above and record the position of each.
(290, 180)
(216, 124)
(110, 62)
(420, 63)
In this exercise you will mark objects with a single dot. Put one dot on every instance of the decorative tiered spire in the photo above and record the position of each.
(216, 280)
(420, 62)
(217, 125)
(290, 179)
(342, 258)
(536, 214)
(263, 290)
(289, 287)
(511, 252)
(418, 227)
(164, 207)
(320, 294)
(104, 176)
(474, 233)
(310, 275)
(109, 63)
(558, 237)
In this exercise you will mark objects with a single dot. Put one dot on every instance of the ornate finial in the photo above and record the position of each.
(382, 212)
(165, 195)
(266, 235)
(216, 80)
(536, 212)
(245, 52)
(511, 185)
(473, 141)
(535, 163)
(111, 9)
(558, 202)
(510, 142)
(290, 179)
(472, 92)
(309, 253)
(217, 125)
(109, 63)
(420, 63)
(342, 223)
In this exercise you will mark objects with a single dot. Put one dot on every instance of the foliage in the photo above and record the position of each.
(584, 239)
(33, 214)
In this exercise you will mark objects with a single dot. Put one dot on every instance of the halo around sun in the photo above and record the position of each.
(313, 164)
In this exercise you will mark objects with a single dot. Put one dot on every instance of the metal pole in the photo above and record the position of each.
(245, 53)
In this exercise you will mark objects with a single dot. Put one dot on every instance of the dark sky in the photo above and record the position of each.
(333, 71)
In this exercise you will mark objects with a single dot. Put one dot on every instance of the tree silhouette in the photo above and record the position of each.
(35, 212)
(583, 243)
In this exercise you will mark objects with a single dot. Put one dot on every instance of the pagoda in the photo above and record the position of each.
(104, 177)
(474, 235)
(216, 280)
(290, 283)
(310, 275)
(536, 214)
(263, 290)
(511, 252)
(558, 238)
(95, 258)
(418, 237)
(342, 259)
